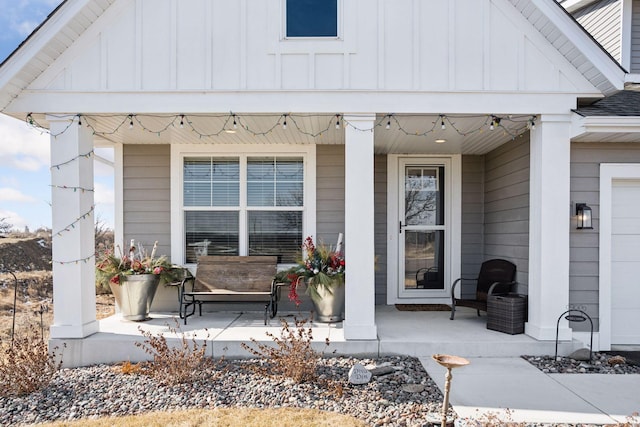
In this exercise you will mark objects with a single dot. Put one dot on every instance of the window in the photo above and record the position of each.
(243, 206)
(312, 18)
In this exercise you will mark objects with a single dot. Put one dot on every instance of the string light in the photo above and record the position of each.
(64, 187)
(86, 156)
(232, 121)
(495, 122)
(532, 123)
(235, 125)
(73, 224)
(76, 261)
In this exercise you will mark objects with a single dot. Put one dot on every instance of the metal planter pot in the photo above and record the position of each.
(329, 308)
(135, 295)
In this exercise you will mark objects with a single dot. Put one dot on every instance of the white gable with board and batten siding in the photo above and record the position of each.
(384, 46)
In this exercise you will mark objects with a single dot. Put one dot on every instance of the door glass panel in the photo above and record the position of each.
(423, 195)
(423, 228)
(424, 259)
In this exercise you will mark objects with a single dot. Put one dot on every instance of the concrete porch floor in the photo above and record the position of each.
(417, 333)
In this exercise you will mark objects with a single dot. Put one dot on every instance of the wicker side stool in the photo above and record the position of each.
(507, 313)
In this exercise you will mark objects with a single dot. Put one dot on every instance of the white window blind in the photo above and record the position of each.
(255, 200)
(211, 182)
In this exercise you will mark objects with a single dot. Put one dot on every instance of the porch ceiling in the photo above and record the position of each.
(407, 133)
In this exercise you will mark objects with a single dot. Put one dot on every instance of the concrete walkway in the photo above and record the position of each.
(495, 384)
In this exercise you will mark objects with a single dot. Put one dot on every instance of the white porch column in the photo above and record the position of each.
(74, 296)
(359, 229)
(549, 222)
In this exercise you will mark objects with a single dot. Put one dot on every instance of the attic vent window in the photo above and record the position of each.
(312, 18)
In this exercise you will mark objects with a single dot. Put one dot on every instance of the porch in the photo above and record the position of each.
(414, 333)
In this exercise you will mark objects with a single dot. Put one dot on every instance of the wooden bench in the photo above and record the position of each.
(230, 279)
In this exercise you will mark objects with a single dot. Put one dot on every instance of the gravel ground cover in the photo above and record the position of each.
(402, 398)
(601, 363)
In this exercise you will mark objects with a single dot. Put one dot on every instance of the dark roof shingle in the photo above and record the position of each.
(623, 103)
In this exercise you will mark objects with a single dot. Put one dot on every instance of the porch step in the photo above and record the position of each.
(429, 332)
(478, 349)
(419, 334)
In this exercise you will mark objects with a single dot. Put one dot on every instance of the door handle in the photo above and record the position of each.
(400, 227)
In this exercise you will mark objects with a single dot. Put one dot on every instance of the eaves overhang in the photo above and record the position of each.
(605, 128)
(41, 48)
(561, 29)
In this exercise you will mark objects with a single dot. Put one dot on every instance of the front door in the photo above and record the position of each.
(423, 229)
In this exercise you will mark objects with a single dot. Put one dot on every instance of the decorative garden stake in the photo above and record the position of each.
(448, 362)
(44, 308)
(15, 296)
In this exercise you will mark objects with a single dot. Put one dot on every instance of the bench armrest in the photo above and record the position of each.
(183, 283)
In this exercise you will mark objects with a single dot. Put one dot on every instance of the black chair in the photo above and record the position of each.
(497, 276)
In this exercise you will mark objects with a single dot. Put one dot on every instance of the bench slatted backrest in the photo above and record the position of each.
(235, 273)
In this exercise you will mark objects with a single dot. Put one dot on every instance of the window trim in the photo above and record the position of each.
(180, 151)
(339, 28)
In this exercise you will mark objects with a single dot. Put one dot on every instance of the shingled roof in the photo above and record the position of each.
(623, 103)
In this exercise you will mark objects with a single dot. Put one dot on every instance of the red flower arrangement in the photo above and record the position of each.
(113, 269)
(322, 266)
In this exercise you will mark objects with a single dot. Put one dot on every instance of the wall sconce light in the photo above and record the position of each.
(583, 212)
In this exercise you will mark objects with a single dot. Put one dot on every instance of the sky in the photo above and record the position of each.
(25, 192)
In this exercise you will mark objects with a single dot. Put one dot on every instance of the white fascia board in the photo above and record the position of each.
(609, 68)
(37, 41)
(601, 124)
(193, 102)
(632, 78)
(573, 5)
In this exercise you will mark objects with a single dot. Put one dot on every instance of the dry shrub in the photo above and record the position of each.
(128, 368)
(292, 356)
(184, 363)
(27, 365)
(492, 419)
(632, 420)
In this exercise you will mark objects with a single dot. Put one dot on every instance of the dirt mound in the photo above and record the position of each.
(29, 254)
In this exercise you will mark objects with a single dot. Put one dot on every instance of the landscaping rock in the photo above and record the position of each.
(358, 374)
(582, 354)
(99, 391)
(413, 388)
(599, 365)
(381, 370)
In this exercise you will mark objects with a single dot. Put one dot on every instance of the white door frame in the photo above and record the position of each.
(608, 173)
(453, 185)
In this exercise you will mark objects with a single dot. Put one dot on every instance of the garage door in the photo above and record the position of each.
(625, 262)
